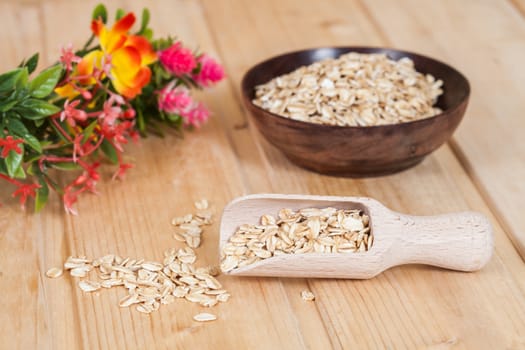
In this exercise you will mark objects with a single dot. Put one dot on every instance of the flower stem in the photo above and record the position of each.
(62, 131)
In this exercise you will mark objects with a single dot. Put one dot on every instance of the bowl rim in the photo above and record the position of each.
(444, 113)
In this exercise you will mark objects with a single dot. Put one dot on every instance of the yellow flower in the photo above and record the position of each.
(130, 57)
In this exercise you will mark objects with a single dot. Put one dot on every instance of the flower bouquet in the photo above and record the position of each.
(86, 107)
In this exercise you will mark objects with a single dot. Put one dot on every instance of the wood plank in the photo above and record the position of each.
(392, 315)
(489, 141)
(30, 243)
(132, 218)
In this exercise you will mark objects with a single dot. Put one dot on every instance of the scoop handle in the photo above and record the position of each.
(458, 241)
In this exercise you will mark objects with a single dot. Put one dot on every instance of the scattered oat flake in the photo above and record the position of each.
(202, 204)
(89, 286)
(307, 295)
(192, 224)
(54, 272)
(204, 317)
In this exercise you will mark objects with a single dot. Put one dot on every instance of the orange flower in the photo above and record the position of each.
(130, 57)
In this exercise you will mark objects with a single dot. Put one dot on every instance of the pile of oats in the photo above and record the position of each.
(309, 230)
(353, 90)
(150, 284)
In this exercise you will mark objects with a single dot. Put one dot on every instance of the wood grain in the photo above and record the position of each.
(488, 142)
(406, 307)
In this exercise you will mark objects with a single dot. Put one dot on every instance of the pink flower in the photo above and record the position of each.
(111, 109)
(71, 114)
(210, 73)
(174, 100)
(196, 116)
(68, 57)
(10, 144)
(77, 147)
(177, 59)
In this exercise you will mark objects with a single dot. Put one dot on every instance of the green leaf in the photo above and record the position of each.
(36, 109)
(57, 131)
(109, 151)
(66, 166)
(145, 21)
(20, 173)
(13, 161)
(45, 82)
(148, 34)
(42, 194)
(88, 131)
(174, 118)
(22, 79)
(120, 13)
(140, 121)
(33, 142)
(3, 168)
(7, 105)
(18, 128)
(32, 169)
(32, 63)
(20, 94)
(100, 12)
(8, 80)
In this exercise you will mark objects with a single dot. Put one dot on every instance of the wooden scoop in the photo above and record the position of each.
(458, 241)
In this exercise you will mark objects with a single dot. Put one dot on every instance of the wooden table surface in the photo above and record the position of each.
(482, 169)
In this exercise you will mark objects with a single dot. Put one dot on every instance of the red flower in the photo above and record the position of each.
(10, 144)
(117, 133)
(121, 172)
(85, 182)
(24, 191)
(69, 199)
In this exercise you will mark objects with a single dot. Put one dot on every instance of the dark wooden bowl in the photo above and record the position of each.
(357, 151)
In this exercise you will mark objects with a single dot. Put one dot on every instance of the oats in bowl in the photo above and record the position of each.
(392, 116)
(355, 89)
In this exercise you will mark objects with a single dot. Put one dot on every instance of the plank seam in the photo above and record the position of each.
(520, 8)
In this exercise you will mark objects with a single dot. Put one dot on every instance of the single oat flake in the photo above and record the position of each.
(307, 295)
(204, 317)
(54, 272)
